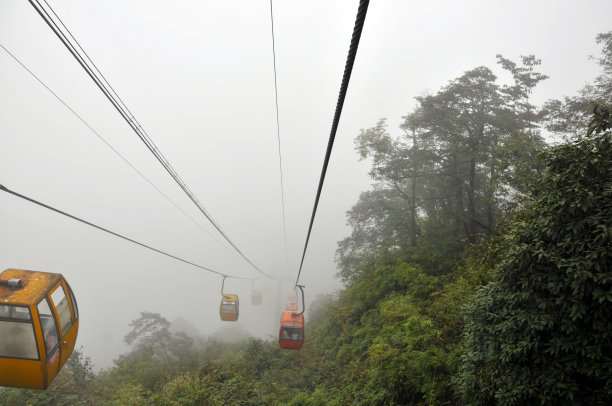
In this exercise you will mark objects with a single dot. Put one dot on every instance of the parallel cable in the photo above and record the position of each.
(46, 206)
(130, 119)
(348, 68)
(109, 145)
(280, 156)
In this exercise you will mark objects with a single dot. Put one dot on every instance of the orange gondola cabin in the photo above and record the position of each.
(291, 306)
(291, 332)
(39, 323)
(228, 310)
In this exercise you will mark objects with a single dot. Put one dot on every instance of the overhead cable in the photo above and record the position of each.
(129, 118)
(348, 68)
(280, 156)
(46, 206)
(110, 146)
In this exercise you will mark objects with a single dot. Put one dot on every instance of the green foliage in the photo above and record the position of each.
(541, 333)
(464, 160)
(569, 117)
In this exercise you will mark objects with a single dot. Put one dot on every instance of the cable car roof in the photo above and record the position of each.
(35, 286)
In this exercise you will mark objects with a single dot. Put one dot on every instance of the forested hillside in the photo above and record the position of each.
(478, 271)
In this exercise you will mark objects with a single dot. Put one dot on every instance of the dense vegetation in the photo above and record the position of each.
(479, 271)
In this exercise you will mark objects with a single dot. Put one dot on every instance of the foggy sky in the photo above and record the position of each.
(198, 76)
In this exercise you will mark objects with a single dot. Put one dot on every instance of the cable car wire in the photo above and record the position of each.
(131, 120)
(348, 68)
(280, 156)
(46, 206)
(110, 146)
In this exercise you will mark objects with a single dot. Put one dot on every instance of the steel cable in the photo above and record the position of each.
(280, 156)
(137, 128)
(46, 206)
(346, 77)
(124, 159)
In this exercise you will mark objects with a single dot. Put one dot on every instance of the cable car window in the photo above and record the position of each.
(48, 326)
(18, 340)
(74, 303)
(228, 307)
(59, 299)
(291, 333)
(20, 313)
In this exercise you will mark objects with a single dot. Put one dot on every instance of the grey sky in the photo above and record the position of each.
(198, 76)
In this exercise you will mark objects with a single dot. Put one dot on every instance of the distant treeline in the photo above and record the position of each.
(478, 272)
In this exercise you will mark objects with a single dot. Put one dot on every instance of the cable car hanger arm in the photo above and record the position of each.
(303, 300)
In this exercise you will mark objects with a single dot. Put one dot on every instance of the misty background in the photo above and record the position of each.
(199, 78)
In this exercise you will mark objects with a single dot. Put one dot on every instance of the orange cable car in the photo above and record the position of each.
(39, 323)
(291, 306)
(292, 296)
(228, 309)
(291, 331)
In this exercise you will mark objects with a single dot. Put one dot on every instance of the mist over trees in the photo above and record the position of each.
(478, 272)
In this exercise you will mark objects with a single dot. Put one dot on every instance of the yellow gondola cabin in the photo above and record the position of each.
(39, 323)
(228, 310)
(256, 298)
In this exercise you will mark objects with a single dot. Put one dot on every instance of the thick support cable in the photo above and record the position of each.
(348, 69)
(130, 119)
(124, 159)
(46, 206)
(280, 156)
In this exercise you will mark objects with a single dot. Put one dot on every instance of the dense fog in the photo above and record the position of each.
(199, 78)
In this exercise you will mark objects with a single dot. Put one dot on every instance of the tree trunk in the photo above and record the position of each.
(413, 203)
(413, 209)
(471, 203)
(490, 197)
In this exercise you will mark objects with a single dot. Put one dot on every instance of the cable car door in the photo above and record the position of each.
(66, 319)
(50, 335)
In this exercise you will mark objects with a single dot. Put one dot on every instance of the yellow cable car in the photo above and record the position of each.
(256, 297)
(39, 323)
(228, 309)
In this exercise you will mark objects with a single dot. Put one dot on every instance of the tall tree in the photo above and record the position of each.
(569, 116)
(541, 333)
(464, 155)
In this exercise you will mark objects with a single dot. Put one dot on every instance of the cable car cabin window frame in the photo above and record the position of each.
(290, 337)
(75, 307)
(8, 318)
(62, 308)
(53, 350)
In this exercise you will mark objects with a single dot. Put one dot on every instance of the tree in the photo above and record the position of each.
(541, 333)
(460, 165)
(569, 116)
(153, 330)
